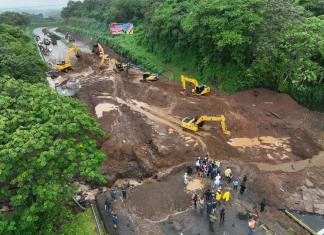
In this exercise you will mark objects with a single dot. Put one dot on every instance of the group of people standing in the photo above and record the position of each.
(108, 203)
(215, 198)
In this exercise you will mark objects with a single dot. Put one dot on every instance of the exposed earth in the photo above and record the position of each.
(274, 141)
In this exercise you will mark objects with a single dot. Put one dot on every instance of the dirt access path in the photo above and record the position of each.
(145, 139)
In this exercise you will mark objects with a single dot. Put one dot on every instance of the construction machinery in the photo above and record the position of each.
(104, 59)
(119, 66)
(194, 124)
(99, 50)
(47, 41)
(68, 37)
(150, 77)
(198, 89)
(66, 63)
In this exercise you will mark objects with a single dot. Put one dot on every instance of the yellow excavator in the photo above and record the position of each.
(150, 77)
(119, 66)
(66, 63)
(104, 58)
(99, 50)
(194, 124)
(198, 89)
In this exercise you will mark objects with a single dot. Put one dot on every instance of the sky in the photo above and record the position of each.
(11, 4)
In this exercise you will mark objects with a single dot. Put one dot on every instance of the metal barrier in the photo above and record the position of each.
(96, 219)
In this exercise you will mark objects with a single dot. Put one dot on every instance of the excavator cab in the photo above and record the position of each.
(201, 89)
(194, 124)
(150, 77)
(122, 66)
(95, 49)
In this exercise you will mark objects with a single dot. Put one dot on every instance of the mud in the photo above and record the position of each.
(269, 133)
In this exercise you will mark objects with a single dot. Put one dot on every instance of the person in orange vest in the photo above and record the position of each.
(252, 226)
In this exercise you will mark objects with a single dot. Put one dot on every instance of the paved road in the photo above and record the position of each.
(124, 225)
(58, 51)
(192, 222)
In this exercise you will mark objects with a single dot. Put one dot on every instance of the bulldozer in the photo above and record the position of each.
(66, 63)
(193, 124)
(99, 50)
(198, 89)
(150, 77)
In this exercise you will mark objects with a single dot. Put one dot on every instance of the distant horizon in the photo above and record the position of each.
(31, 4)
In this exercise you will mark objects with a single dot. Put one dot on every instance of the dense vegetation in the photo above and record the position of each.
(277, 44)
(46, 142)
(14, 18)
(18, 55)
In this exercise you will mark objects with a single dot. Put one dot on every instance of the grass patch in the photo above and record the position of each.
(291, 231)
(81, 224)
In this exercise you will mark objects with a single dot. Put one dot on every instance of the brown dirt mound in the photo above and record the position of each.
(145, 134)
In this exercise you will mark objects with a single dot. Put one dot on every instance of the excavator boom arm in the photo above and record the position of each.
(220, 118)
(101, 50)
(185, 79)
(69, 53)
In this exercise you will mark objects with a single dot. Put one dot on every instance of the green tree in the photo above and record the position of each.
(235, 44)
(315, 6)
(18, 55)
(46, 141)
(289, 54)
(14, 18)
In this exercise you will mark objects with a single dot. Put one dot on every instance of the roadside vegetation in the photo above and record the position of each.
(81, 224)
(46, 142)
(18, 55)
(234, 45)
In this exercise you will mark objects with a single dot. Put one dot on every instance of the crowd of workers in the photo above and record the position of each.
(215, 198)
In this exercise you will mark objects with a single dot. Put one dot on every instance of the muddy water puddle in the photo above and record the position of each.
(265, 142)
(316, 161)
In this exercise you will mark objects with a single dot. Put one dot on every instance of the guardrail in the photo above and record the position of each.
(96, 219)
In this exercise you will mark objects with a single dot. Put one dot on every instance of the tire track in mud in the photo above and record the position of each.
(157, 115)
(153, 113)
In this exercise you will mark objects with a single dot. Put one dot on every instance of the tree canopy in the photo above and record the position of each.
(18, 55)
(45, 141)
(276, 44)
(14, 18)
